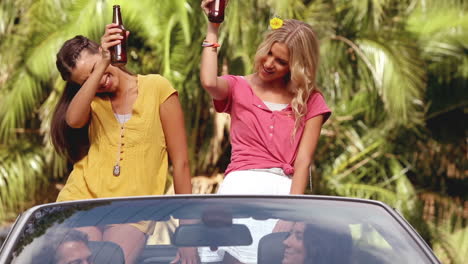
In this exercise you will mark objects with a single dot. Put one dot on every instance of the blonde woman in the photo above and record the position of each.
(276, 114)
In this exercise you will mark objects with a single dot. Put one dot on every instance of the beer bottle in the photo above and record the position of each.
(216, 13)
(119, 52)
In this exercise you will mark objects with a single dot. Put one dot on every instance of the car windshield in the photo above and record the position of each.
(223, 228)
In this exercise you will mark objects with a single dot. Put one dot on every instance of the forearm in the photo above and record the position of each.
(300, 178)
(172, 119)
(182, 179)
(305, 154)
(209, 62)
(80, 107)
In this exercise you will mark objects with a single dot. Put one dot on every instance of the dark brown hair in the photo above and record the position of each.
(322, 243)
(70, 142)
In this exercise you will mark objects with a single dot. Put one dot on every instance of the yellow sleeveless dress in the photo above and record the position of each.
(144, 158)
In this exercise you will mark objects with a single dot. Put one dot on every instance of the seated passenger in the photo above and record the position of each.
(313, 243)
(65, 246)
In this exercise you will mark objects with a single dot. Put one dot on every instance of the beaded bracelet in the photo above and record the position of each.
(206, 43)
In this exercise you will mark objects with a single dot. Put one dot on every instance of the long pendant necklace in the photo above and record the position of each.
(116, 169)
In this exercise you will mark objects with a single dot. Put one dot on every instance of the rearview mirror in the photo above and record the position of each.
(200, 235)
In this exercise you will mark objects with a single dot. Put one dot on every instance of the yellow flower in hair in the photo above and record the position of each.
(276, 23)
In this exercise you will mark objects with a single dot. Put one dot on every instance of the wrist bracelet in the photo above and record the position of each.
(206, 43)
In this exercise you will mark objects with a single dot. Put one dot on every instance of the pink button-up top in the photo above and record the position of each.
(261, 138)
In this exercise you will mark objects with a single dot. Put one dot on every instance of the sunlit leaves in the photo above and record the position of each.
(21, 172)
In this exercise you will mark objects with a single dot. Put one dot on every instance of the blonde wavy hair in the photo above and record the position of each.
(303, 47)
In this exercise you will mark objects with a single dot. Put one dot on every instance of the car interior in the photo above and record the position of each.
(270, 247)
(106, 252)
(371, 240)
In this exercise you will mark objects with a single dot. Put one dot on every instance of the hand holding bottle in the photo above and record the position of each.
(112, 37)
(214, 9)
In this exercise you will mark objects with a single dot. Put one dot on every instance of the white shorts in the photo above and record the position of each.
(269, 182)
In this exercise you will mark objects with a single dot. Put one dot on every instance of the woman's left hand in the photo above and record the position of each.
(112, 36)
(186, 255)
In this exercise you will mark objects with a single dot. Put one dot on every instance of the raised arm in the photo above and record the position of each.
(215, 86)
(305, 154)
(78, 112)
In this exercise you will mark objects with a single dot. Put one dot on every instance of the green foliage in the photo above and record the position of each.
(449, 229)
(21, 173)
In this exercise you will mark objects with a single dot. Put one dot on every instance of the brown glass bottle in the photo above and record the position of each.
(119, 52)
(216, 14)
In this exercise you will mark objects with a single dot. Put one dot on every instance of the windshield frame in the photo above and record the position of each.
(20, 224)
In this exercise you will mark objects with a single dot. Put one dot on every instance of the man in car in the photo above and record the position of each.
(65, 246)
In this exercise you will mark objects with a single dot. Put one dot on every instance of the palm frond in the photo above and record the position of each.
(21, 173)
(400, 75)
(25, 87)
(450, 243)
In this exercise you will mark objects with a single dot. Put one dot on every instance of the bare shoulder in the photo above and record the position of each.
(250, 78)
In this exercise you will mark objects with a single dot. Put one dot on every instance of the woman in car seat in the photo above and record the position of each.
(318, 244)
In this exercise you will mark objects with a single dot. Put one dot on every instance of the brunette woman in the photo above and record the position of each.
(119, 129)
